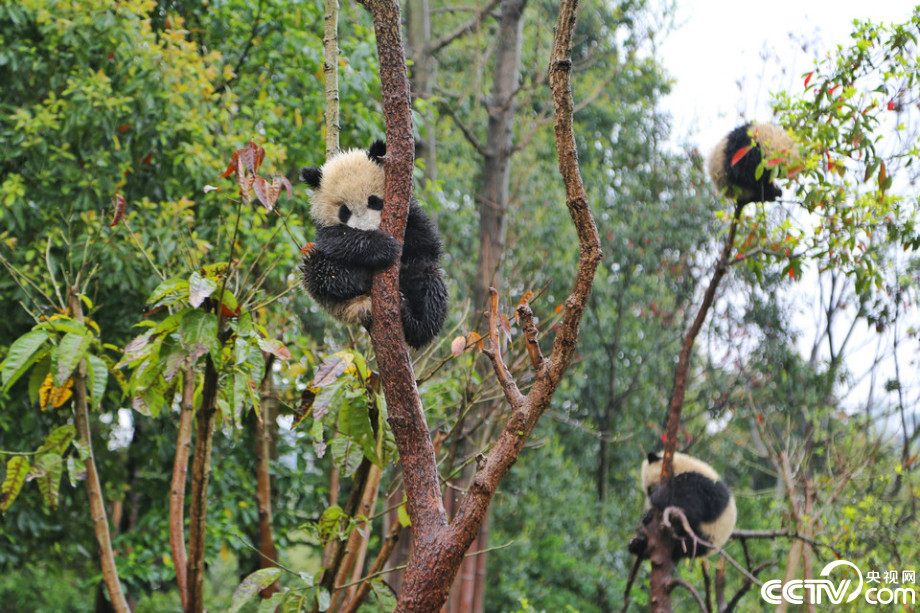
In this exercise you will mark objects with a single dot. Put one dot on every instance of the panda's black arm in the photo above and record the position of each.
(373, 249)
(422, 241)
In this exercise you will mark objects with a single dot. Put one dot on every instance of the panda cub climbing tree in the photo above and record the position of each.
(350, 247)
(698, 491)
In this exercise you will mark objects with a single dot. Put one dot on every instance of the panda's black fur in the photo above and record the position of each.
(739, 180)
(699, 492)
(350, 247)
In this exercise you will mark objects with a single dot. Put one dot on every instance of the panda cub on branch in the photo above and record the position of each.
(350, 247)
(734, 162)
(699, 492)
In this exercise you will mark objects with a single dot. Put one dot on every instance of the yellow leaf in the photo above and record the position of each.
(55, 396)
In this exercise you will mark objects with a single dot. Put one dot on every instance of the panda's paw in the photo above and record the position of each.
(358, 310)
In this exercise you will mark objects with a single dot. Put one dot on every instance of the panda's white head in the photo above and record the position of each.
(348, 188)
(651, 469)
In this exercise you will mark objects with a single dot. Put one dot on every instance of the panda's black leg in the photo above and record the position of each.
(424, 303)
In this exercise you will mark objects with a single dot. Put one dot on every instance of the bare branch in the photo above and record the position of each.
(462, 29)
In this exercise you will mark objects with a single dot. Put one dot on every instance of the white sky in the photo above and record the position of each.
(718, 44)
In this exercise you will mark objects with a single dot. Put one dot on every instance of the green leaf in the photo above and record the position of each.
(97, 375)
(57, 441)
(76, 470)
(198, 329)
(17, 469)
(51, 469)
(384, 594)
(402, 514)
(168, 292)
(322, 599)
(23, 353)
(252, 585)
(69, 353)
(199, 288)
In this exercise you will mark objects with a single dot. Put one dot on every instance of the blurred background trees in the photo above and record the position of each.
(149, 100)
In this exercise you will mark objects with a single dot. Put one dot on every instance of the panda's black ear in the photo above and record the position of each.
(653, 456)
(311, 175)
(377, 150)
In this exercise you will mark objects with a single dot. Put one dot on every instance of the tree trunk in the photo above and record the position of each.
(492, 197)
(418, 42)
(93, 486)
(264, 433)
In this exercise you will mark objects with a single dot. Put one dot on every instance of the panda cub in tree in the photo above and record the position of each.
(699, 492)
(734, 162)
(350, 247)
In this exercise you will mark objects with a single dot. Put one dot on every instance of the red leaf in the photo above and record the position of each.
(119, 203)
(740, 154)
(891, 105)
(808, 78)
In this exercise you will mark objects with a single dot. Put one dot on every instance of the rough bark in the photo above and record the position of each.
(177, 487)
(93, 486)
(438, 546)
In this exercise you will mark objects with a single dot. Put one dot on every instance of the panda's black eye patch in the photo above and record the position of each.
(344, 214)
(375, 203)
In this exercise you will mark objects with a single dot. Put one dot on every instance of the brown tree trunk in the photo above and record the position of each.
(177, 487)
(492, 196)
(198, 504)
(418, 43)
(264, 434)
(93, 486)
(439, 546)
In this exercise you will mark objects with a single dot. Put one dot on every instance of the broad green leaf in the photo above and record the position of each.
(322, 599)
(384, 594)
(51, 468)
(199, 288)
(69, 353)
(252, 585)
(97, 375)
(277, 599)
(76, 470)
(199, 329)
(63, 324)
(57, 441)
(17, 469)
(23, 353)
(168, 292)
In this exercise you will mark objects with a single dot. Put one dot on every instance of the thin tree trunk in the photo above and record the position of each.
(177, 487)
(198, 505)
(264, 429)
(418, 41)
(492, 196)
(93, 487)
(662, 572)
(331, 73)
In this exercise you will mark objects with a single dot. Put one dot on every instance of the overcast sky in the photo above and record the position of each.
(717, 44)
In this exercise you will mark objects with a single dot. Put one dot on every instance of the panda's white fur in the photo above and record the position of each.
(717, 531)
(349, 178)
(771, 141)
